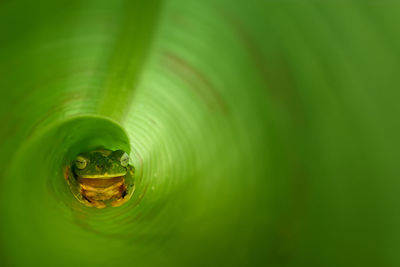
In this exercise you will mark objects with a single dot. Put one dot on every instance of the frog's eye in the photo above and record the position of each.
(80, 162)
(124, 160)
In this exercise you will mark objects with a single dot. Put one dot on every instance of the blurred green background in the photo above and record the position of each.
(263, 132)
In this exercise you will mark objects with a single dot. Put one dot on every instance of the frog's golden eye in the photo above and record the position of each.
(80, 162)
(124, 160)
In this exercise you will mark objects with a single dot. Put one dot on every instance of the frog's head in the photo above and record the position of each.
(101, 164)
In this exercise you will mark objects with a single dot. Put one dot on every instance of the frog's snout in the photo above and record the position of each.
(99, 167)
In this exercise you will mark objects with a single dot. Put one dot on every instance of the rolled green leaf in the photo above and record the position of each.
(262, 132)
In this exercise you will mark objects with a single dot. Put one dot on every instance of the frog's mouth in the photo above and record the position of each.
(102, 176)
(101, 185)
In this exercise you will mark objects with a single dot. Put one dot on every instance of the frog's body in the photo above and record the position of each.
(100, 177)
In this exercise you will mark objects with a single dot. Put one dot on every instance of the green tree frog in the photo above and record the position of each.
(101, 177)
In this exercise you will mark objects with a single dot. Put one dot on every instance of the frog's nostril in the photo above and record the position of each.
(100, 166)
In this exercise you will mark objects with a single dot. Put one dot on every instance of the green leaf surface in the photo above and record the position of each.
(263, 132)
